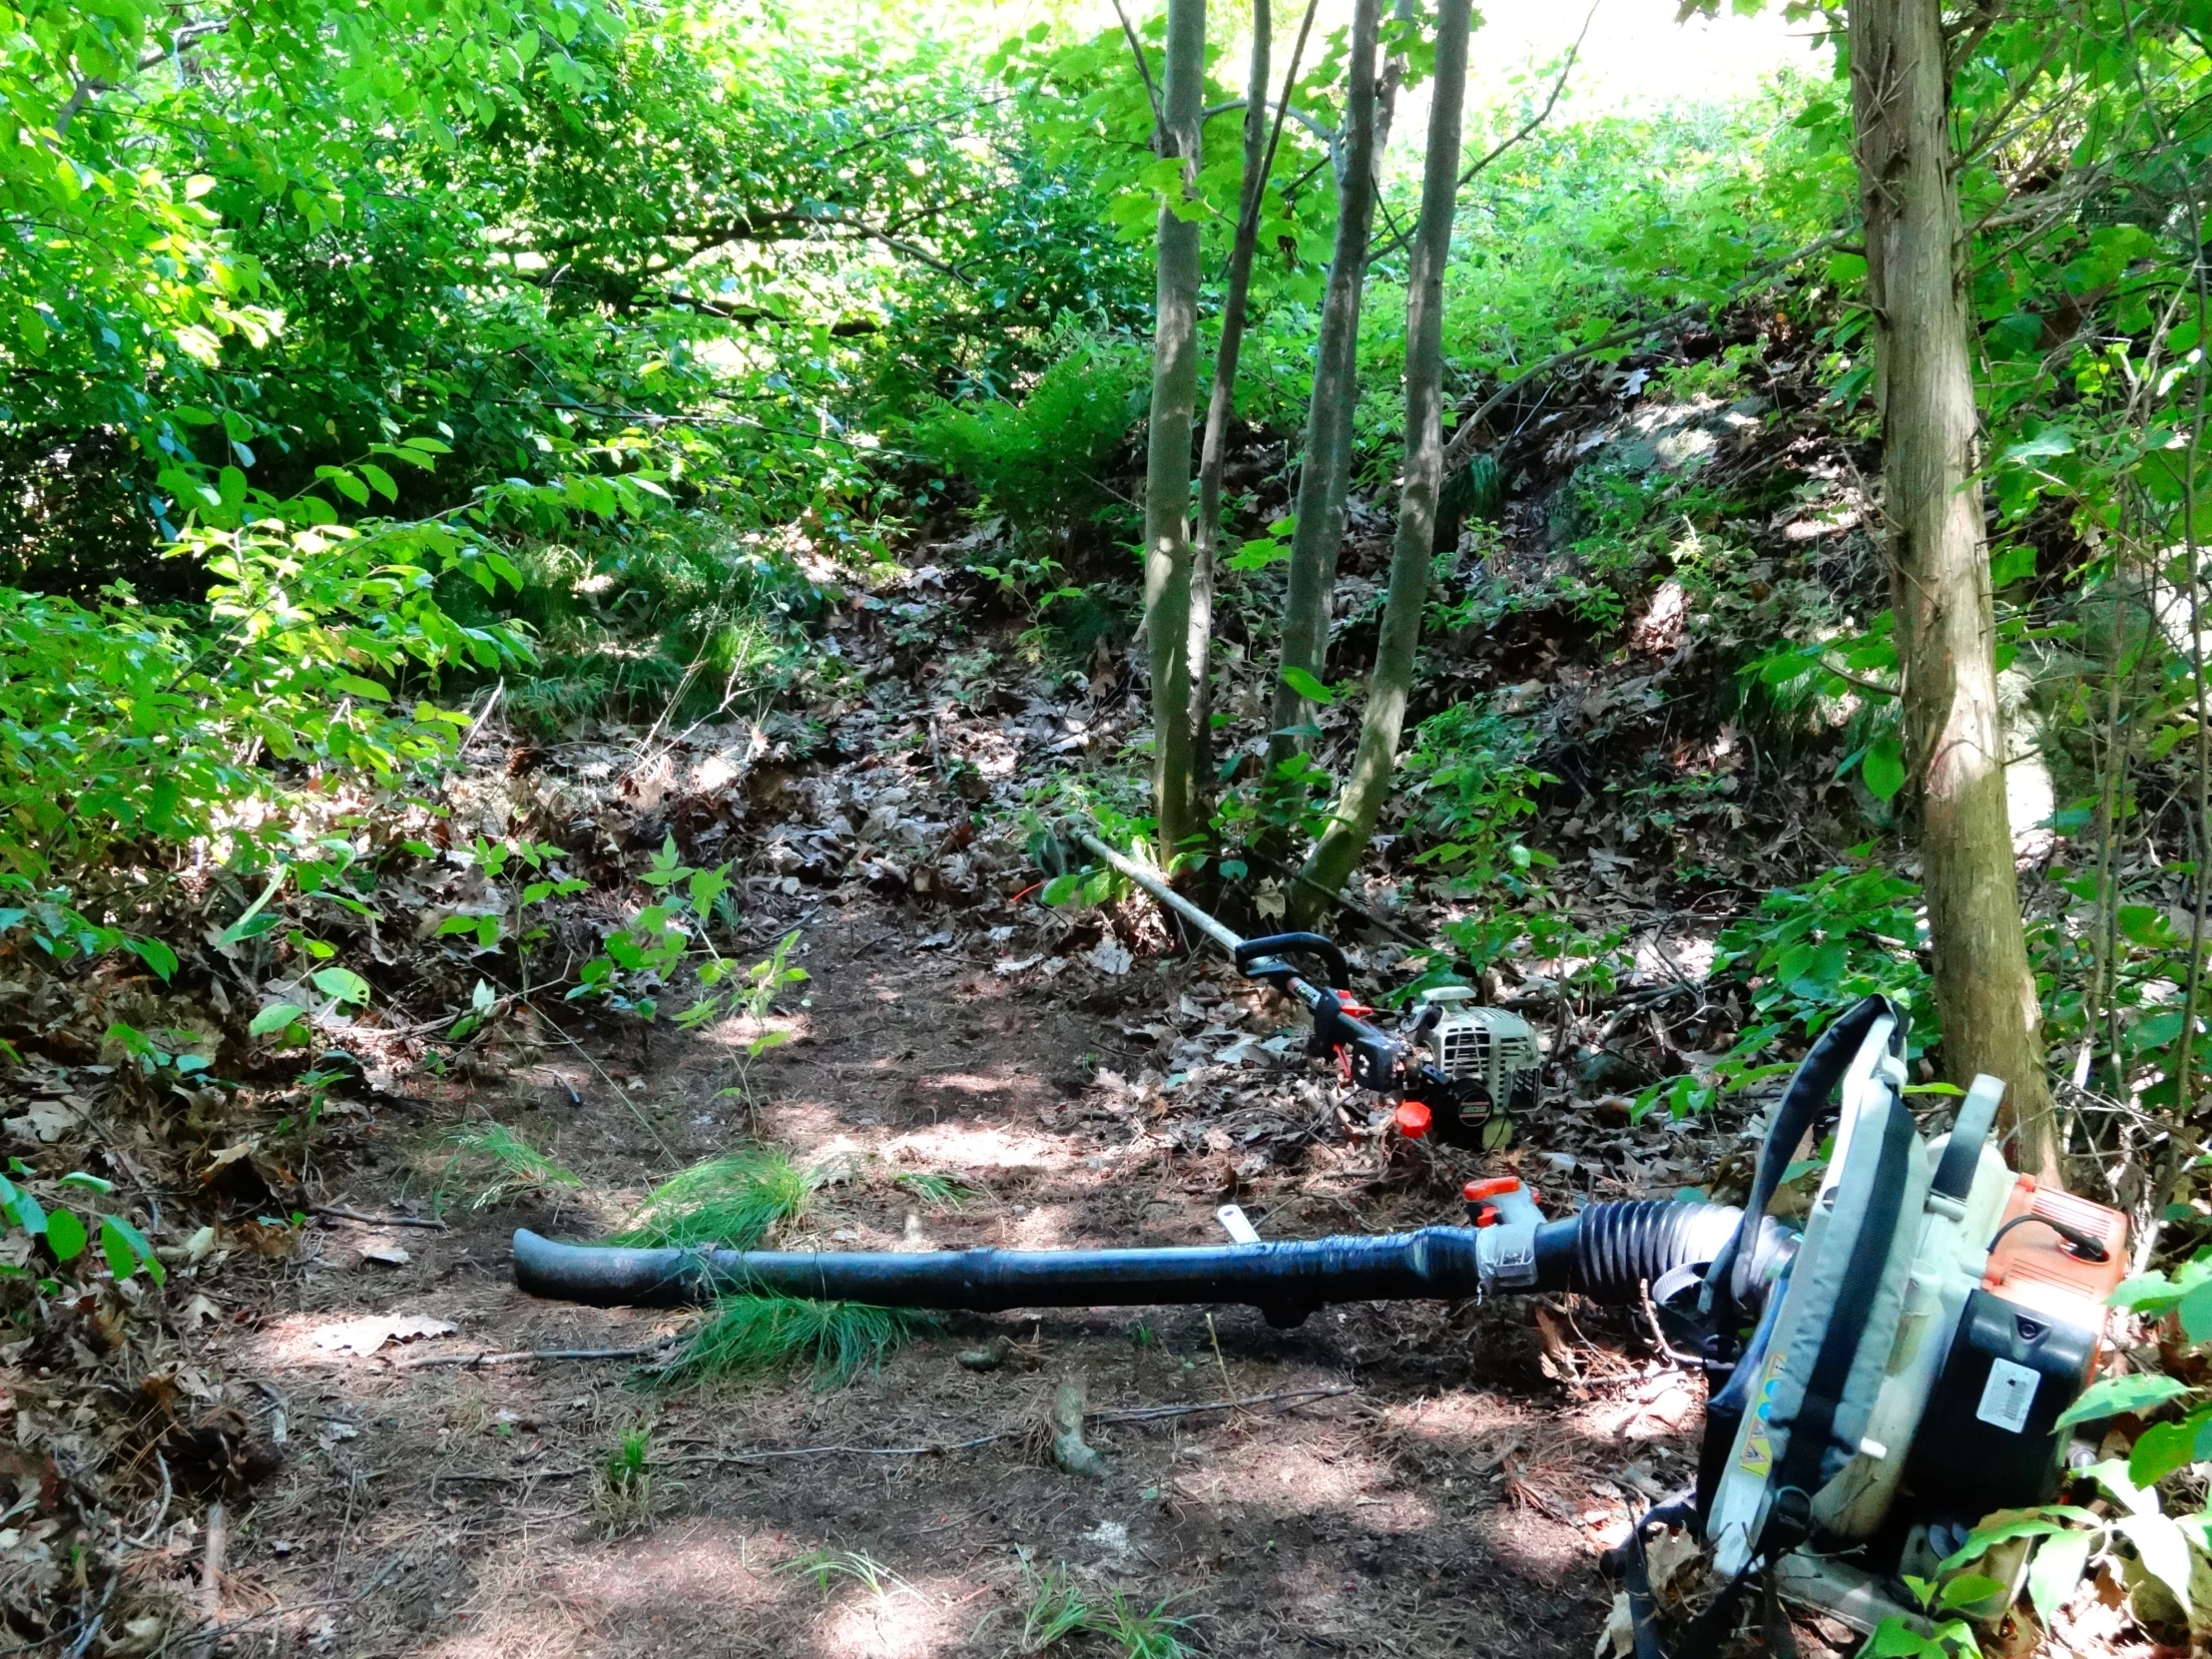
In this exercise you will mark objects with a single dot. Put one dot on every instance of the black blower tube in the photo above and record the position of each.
(1609, 1251)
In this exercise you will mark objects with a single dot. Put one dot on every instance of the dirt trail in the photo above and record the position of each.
(1451, 1502)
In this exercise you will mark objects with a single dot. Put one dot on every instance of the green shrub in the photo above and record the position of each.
(1807, 955)
(1470, 779)
(1039, 461)
(687, 616)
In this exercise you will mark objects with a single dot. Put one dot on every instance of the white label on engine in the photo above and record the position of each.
(2006, 1396)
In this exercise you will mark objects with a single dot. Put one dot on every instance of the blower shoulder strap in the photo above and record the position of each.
(1805, 1102)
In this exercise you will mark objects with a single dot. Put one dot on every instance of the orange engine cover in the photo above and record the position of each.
(2034, 1269)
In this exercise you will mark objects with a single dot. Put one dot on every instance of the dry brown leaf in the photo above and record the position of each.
(366, 1335)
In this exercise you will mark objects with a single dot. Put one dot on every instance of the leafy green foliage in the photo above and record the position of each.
(727, 610)
(1808, 953)
(123, 1246)
(117, 723)
(1041, 460)
(1472, 779)
(644, 956)
(732, 1202)
(751, 1334)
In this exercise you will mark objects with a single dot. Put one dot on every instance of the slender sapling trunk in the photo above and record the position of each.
(1167, 569)
(1353, 820)
(1324, 471)
(1221, 401)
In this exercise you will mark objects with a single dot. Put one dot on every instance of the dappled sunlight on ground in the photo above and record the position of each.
(979, 1147)
(1458, 1421)
(1310, 1476)
(458, 1507)
(912, 1619)
(704, 1586)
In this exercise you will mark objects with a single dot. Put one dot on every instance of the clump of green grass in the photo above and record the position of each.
(1053, 1611)
(731, 1203)
(1056, 1610)
(749, 1335)
(1153, 1635)
(938, 1192)
(498, 1165)
(625, 1495)
(826, 1566)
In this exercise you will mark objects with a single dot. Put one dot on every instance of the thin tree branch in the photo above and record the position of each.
(1151, 92)
(1560, 85)
(88, 89)
(1530, 125)
(1326, 134)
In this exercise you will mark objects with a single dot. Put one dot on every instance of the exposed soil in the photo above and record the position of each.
(1451, 1499)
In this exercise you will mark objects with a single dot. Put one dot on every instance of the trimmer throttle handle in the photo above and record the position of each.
(1501, 1200)
(1339, 971)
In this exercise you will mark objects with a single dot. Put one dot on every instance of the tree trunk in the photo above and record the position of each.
(1325, 468)
(1353, 820)
(1167, 499)
(1954, 736)
(1221, 402)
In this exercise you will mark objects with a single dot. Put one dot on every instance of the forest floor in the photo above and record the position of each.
(1443, 1495)
(402, 1472)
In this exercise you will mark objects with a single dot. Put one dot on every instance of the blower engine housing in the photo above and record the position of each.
(1907, 1376)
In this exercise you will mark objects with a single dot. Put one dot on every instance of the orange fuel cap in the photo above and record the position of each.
(1414, 1119)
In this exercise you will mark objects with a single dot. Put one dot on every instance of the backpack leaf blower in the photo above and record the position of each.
(1878, 1381)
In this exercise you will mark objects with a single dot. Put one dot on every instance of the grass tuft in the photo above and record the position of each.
(1055, 1610)
(732, 1202)
(826, 1566)
(503, 1162)
(938, 1192)
(625, 1495)
(748, 1335)
(1153, 1635)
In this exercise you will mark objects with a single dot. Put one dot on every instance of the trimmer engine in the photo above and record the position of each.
(1488, 1057)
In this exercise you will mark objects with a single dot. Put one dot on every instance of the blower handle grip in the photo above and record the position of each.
(1978, 1115)
(1323, 951)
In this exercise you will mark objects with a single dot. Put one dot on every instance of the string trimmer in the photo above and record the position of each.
(1878, 1381)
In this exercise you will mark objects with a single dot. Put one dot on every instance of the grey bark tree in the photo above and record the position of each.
(1221, 401)
(1325, 470)
(1932, 513)
(1167, 502)
(1353, 820)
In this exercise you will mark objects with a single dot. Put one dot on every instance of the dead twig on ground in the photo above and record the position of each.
(1155, 1413)
(211, 1565)
(511, 1357)
(339, 1211)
